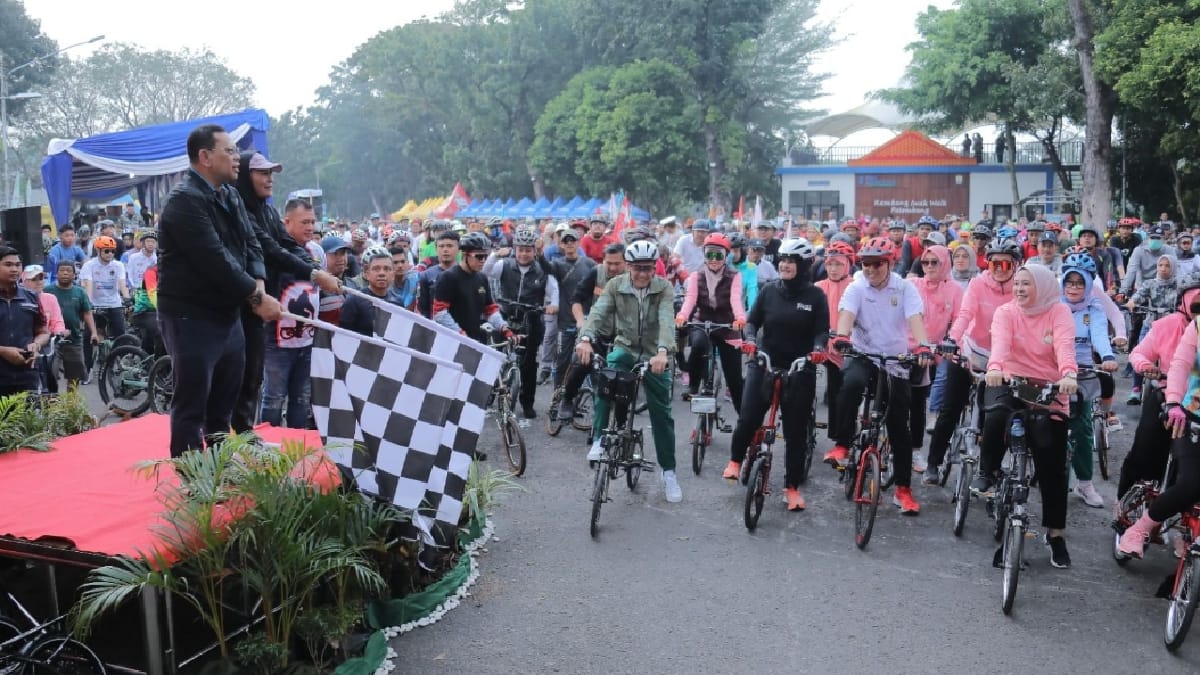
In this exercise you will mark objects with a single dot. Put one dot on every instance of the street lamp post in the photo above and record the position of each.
(5, 74)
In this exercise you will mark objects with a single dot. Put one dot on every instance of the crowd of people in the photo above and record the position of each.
(219, 277)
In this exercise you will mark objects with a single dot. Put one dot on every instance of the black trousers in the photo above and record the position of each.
(918, 401)
(535, 330)
(245, 411)
(1185, 491)
(1047, 440)
(958, 384)
(833, 385)
(798, 395)
(731, 363)
(1147, 458)
(566, 353)
(857, 375)
(207, 360)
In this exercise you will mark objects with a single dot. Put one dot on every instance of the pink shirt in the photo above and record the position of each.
(1157, 348)
(53, 312)
(973, 327)
(1040, 347)
(1182, 362)
(834, 290)
(693, 295)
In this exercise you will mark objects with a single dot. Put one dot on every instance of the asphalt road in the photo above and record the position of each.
(684, 588)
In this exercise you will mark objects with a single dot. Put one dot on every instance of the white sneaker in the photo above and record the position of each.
(1114, 423)
(1087, 492)
(596, 452)
(671, 487)
(919, 462)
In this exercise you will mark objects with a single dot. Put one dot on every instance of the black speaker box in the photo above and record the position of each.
(23, 231)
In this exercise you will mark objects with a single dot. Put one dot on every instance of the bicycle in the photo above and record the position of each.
(582, 418)
(1007, 505)
(1100, 440)
(124, 381)
(867, 472)
(964, 451)
(162, 385)
(1184, 594)
(44, 648)
(504, 398)
(621, 445)
(105, 347)
(758, 454)
(704, 403)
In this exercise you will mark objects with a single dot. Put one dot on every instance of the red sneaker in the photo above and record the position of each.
(904, 499)
(837, 456)
(795, 500)
(732, 470)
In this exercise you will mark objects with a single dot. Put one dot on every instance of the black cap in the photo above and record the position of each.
(1156, 231)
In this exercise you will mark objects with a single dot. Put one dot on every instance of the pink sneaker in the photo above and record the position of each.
(1133, 541)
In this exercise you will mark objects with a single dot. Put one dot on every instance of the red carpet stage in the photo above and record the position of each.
(82, 502)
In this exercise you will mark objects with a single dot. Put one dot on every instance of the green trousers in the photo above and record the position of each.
(1082, 439)
(658, 405)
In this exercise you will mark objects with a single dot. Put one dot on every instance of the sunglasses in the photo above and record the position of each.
(872, 264)
(930, 263)
(479, 256)
(642, 269)
(1001, 265)
(714, 255)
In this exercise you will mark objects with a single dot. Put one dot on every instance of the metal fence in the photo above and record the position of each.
(1071, 153)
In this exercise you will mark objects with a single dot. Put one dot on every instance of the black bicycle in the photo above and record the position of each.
(621, 444)
(42, 648)
(704, 403)
(582, 418)
(1008, 503)
(504, 397)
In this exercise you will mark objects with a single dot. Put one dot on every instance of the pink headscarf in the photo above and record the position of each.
(1046, 291)
(941, 272)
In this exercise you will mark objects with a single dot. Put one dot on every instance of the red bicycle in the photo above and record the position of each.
(756, 469)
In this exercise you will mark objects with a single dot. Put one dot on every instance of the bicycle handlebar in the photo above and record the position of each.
(796, 365)
(902, 359)
(708, 326)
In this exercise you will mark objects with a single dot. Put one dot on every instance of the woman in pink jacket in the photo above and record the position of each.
(714, 293)
(1147, 456)
(942, 297)
(972, 332)
(1033, 337)
(839, 272)
(1183, 407)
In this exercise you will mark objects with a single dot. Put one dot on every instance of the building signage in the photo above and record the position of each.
(910, 196)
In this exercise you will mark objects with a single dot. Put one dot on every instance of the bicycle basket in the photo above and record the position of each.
(615, 385)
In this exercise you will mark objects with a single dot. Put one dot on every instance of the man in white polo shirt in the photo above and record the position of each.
(876, 315)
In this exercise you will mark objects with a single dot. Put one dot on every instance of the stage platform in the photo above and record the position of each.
(82, 503)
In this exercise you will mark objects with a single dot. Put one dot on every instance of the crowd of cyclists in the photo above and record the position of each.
(983, 302)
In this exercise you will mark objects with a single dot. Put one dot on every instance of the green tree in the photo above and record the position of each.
(1000, 62)
(22, 41)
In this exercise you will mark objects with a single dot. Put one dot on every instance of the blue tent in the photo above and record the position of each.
(586, 209)
(506, 210)
(539, 208)
(522, 209)
(640, 214)
(147, 159)
(564, 210)
(546, 210)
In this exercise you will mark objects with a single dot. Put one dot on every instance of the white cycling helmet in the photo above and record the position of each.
(641, 251)
(800, 248)
(525, 236)
(374, 253)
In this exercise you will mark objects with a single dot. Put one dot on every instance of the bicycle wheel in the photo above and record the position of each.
(634, 471)
(553, 424)
(887, 463)
(810, 447)
(125, 380)
(62, 656)
(583, 410)
(849, 472)
(700, 442)
(867, 484)
(1100, 438)
(755, 495)
(1183, 601)
(1129, 511)
(1014, 543)
(513, 443)
(162, 385)
(962, 496)
(128, 339)
(599, 488)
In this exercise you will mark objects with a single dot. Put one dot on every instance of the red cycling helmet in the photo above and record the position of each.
(1131, 222)
(719, 240)
(877, 247)
(839, 248)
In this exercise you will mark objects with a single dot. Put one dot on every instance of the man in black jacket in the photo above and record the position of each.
(210, 264)
(283, 257)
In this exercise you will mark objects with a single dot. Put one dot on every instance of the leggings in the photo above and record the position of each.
(1047, 439)
(795, 411)
(833, 385)
(958, 383)
(1147, 458)
(1185, 491)
(731, 363)
(916, 408)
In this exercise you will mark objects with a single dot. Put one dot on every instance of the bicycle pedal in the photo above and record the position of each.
(822, 425)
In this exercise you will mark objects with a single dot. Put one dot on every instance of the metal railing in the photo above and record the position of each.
(1071, 153)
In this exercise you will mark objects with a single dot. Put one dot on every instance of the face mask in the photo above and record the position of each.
(1156, 244)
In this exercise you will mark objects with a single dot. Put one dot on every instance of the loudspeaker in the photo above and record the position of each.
(23, 231)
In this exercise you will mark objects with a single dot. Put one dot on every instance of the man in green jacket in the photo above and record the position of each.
(642, 306)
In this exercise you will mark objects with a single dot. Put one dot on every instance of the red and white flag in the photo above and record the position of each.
(457, 201)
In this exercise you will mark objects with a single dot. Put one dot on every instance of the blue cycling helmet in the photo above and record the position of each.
(1006, 232)
(1079, 262)
(927, 220)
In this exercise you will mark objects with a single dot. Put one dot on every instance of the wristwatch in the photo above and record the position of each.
(586, 339)
(313, 274)
(1070, 373)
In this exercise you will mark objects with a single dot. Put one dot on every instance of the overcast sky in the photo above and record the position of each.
(288, 48)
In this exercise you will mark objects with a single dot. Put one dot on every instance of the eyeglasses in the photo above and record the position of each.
(1001, 265)
(1071, 283)
(872, 264)
(641, 269)
(714, 255)
(930, 263)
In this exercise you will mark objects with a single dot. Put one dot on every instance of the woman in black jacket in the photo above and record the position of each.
(793, 316)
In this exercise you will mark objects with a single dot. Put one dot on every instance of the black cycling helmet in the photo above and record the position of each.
(474, 241)
(736, 240)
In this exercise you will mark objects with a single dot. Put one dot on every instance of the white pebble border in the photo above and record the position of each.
(452, 601)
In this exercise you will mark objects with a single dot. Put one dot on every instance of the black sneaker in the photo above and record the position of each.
(982, 485)
(933, 475)
(543, 376)
(1058, 552)
(527, 412)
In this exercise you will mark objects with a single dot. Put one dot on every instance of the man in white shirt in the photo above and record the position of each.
(141, 259)
(103, 277)
(691, 249)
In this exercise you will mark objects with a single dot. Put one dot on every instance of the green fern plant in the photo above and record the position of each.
(22, 425)
(482, 489)
(69, 414)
